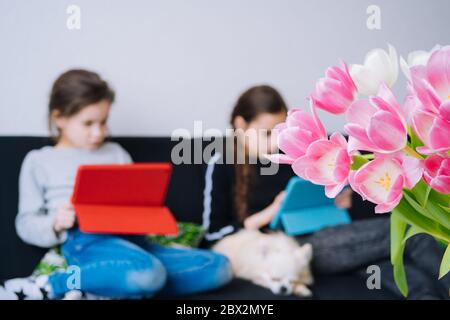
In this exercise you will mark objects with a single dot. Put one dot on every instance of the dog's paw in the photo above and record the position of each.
(306, 277)
(302, 291)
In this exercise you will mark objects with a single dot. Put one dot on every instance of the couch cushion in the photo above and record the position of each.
(350, 286)
(184, 198)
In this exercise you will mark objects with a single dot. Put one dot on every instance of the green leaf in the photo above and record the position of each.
(400, 276)
(412, 231)
(445, 208)
(399, 268)
(445, 264)
(439, 214)
(358, 161)
(411, 213)
(398, 244)
(421, 192)
(415, 205)
(398, 228)
(439, 198)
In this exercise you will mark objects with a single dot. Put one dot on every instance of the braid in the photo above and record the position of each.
(241, 190)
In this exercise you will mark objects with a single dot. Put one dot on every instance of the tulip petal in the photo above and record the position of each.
(387, 95)
(338, 139)
(377, 178)
(405, 68)
(300, 165)
(422, 122)
(363, 79)
(331, 191)
(302, 120)
(424, 90)
(441, 184)
(359, 134)
(294, 141)
(279, 158)
(388, 207)
(440, 134)
(360, 112)
(388, 103)
(394, 65)
(437, 173)
(438, 72)
(319, 125)
(410, 106)
(342, 168)
(444, 111)
(354, 145)
(387, 132)
(413, 171)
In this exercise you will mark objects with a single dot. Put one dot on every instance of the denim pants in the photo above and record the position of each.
(354, 246)
(129, 267)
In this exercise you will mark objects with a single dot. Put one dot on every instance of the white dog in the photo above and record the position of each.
(275, 261)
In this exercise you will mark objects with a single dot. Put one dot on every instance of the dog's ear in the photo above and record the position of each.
(304, 253)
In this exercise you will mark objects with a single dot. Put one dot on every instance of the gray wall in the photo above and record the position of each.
(176, 61)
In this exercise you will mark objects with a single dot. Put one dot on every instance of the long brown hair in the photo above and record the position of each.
(73, 91)
(252, 103)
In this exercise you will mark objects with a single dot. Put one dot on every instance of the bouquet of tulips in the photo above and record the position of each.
(397, 154)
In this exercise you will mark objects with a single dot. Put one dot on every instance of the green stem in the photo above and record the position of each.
(368, 156)
(411, 152)
(426, 197)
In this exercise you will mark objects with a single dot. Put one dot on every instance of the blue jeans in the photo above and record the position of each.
(130, 267)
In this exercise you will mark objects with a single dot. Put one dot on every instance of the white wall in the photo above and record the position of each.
(176, 61)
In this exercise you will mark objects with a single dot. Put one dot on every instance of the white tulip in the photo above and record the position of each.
(379, 66)
(416, 58)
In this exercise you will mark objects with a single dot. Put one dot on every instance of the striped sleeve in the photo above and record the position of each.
(218, 217)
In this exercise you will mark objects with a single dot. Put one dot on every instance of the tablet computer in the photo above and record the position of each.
(307, 209)
(123, 199)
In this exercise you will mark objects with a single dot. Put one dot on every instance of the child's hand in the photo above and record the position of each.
(344, 199)
(264, 217)
(65, 218)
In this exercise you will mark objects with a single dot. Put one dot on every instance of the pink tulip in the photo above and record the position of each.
(423, 89)
(431, 120)
(377, 124)
(437, 173)
(336, 91)
(432, 82)
(296, 134)
(326, 163)
(412, 167)
(411, 104)
(433, 129)
(380, 181)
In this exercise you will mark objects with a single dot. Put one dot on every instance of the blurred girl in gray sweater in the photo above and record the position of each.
(110, 266)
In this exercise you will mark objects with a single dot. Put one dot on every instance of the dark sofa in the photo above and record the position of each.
(184, 199)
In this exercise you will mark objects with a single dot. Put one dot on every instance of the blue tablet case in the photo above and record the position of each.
(306, 209)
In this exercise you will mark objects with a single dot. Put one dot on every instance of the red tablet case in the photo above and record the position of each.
(123, 199)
